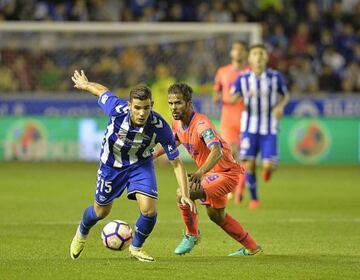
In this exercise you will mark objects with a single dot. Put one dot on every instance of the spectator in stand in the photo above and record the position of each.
(300, 39)
(333, 59)
(163, 80)
(328, 32)
(302, 76)
(329, 81)
(351, 78)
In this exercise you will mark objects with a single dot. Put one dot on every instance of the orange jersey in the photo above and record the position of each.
(198, 137)
(230, 113)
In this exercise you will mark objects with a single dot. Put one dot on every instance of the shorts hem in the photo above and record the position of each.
(137, 191)
(103, 204)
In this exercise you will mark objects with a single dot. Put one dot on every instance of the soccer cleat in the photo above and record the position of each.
(140, 255)
(254, 204)
(77, 245)
(186, 245)
(247, 252)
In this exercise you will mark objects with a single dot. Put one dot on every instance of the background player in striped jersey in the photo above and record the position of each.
(217, 174)
(231, 112)
(126, 162)
(265, 95)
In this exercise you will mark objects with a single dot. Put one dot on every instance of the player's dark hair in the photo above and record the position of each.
(141, 92)
(182, 88)
(241, 42)
(261, 46)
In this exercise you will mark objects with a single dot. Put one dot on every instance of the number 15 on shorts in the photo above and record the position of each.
(103, 186)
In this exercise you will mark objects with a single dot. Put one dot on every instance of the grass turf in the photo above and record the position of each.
(308, 225)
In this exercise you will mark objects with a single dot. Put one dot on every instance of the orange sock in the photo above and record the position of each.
(266, 174)
(233, 228)
(239, 190)
(190, 219)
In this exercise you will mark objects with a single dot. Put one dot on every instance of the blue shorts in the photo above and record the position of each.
(252, 144)
(137, 178)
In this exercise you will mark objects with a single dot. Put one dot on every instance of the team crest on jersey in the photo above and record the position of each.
(122, 134)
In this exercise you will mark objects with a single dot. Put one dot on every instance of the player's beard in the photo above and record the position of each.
(177, 115)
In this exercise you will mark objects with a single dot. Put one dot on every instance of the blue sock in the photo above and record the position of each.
(143, 228)
(89, 220)
(251, 182)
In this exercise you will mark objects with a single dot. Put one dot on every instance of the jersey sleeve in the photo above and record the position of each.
(167, 140)
(282, 88)
(207, 132)
(236, 87)
(111, 104)
(217, 82)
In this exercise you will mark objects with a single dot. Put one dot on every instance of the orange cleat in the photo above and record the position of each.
(254, 204)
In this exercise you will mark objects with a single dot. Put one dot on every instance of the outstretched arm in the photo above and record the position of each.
(81, 82)
(180, 174)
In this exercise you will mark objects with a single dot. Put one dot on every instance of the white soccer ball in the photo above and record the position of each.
(116, 235)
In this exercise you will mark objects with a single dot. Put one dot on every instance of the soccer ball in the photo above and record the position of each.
(116, 235)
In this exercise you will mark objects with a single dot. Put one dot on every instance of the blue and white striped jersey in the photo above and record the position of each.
(260, 95)
(123, 144)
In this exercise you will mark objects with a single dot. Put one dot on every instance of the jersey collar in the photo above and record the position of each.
(191, 117)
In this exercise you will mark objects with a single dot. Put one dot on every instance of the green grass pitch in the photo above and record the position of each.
(308, 225)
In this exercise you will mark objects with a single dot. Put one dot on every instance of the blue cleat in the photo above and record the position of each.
(243, 252)
(186, 245)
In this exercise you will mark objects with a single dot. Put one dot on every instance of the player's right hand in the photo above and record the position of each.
(186, 200)
(80, 80)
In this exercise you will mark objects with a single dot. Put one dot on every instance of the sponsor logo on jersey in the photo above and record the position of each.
(208, 135)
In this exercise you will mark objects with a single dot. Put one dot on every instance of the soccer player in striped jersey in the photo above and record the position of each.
(230, 118)
(126, 162)
(216, 176)
(265, 95)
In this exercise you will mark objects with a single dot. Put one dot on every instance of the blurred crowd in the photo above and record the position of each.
(316, 43)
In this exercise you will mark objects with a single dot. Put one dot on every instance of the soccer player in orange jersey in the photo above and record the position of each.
(217, 175)
(230, 119)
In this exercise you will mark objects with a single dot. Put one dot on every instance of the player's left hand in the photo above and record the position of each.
(186, 200)
(195, 180)
(278, 112)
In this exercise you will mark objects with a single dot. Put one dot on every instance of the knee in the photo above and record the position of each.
(216, 217)
(250, 166)
(151, 212)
